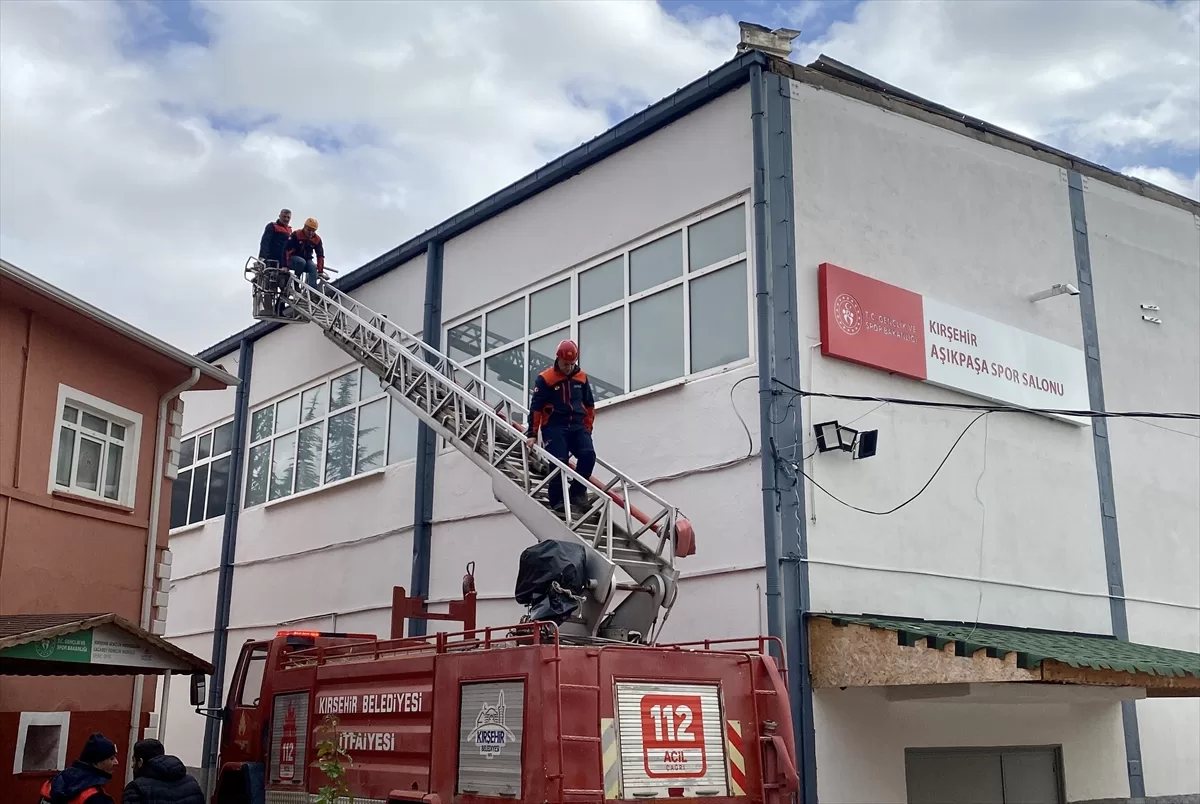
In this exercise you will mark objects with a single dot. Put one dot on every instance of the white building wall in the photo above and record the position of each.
(979, 228)
(669, 433)
(1145, 252)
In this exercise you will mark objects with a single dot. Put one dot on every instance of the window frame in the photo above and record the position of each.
(60, 719)
(131, 447)
(209, 430)
(298, 393)
(574, 318)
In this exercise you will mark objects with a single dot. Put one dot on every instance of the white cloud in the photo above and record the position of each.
(141, 182)
(116, 185)
(1086, 76)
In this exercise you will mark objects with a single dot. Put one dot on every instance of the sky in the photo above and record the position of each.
(145, 144)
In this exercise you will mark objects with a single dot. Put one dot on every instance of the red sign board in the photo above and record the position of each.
(870, 322)
(673, 736)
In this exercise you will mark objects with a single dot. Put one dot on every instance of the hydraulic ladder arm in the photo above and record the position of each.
(478, 420)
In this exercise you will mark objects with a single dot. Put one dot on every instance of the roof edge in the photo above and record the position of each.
(703, 90)
(831, 74)
(78, 305)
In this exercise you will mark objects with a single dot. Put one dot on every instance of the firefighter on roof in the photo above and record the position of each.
(299, 254)
(562, 408)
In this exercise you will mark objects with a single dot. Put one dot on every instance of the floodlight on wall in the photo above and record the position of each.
(832, 436)
(1057, 289)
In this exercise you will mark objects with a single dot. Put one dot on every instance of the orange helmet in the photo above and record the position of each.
(567, 350)
(311, 223)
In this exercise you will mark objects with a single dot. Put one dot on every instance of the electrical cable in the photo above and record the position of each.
(923, 403)
(920, 491)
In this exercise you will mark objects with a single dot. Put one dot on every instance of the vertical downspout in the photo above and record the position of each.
(762, 297)
(1108, 503)
(431, 333)
(156, 484)
(233, 508)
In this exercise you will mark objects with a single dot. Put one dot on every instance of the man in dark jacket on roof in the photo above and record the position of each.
(275, 237)
(159, 778)
(83, 782)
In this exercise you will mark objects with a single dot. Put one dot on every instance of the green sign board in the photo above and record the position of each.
(75, 647)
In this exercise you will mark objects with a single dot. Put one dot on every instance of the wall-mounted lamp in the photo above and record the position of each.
(1056, 289)
(833, 436)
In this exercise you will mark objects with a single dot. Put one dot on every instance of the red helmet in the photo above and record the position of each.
(567, 350)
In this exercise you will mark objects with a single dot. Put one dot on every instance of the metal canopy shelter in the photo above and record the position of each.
(88, 645)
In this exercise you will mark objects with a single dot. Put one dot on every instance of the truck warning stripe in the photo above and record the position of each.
(611, 757)
(737, 762)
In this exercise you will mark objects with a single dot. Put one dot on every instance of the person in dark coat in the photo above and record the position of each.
(563, 408)
(159, 778)
(275, 237)
(84, 781)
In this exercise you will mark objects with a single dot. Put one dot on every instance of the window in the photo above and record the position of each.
(252, 681)
(674, 304)
(95, 448)
(202, 486)
(41, 742)
(340, 427)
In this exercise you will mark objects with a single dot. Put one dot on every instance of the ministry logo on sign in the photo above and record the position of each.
(848, 314)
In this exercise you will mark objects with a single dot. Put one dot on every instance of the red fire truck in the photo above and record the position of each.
(577, 703)
(509, 713)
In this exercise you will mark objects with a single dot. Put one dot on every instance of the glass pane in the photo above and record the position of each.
(187, 452)
(402, 434)
(199, 490)
(181, 492)
(283, 466)
(223, 439)
(339, 450)
(717, 238)
(204, 447)
(116, 431)
(550, 306)
(218, 487)
(261, 423)
(345, 390)
(655, 263)
(506, 371)
(87, 473)
(541, 353)
(656, 339)
(287, 413)
(602, 285)
(602, 352)
(313, 403)
(719, 318)
(506, 324)
(309, 455)
(466, 373)
(463, 341)
(112, 471)
(70, 414)
(257, 475)
(371, 451)
(66, 456)
(95, 423)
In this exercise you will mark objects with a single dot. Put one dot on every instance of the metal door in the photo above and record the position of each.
(984, 776)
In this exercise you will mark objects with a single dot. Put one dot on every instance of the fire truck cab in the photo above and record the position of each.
(505, 714)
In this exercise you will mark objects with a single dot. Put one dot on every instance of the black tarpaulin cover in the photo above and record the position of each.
(544, 564)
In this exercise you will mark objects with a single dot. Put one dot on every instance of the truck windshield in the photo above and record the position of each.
(252, 680)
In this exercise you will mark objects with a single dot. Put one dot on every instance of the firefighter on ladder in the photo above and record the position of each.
(562, 409)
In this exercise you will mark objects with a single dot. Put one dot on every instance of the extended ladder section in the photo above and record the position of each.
(642, 538)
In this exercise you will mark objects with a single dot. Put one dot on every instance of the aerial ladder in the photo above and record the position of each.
(643, 539)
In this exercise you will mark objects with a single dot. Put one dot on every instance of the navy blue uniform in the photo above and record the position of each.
(563, 409)
(274, 243)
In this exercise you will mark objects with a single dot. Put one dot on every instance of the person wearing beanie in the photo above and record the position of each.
(84, 781)
(159, 778)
